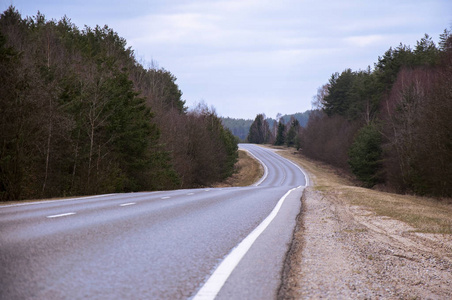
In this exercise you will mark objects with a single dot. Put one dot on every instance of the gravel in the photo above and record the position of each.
(341, 251)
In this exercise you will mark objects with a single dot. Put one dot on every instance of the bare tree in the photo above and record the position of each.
(318, 101)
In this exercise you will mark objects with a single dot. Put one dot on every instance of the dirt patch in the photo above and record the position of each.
(357, 243)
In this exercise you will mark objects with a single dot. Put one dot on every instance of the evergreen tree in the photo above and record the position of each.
(76, 117)
(366, 154)
(401, 95)
(293, 134)
(443, 40)
(281, 133)
(425, 52)
(13, 125)
(259, 131)
(388, 65)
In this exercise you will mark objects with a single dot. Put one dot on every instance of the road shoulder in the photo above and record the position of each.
(344, 250)
(258, 275)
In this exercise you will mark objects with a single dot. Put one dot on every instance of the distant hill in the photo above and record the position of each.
(238, 127)
(241, 127)
(301, 117)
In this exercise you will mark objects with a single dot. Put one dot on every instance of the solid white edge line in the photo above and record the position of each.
(216, 281)
(61, 215)
(262, 163)
(306, 177)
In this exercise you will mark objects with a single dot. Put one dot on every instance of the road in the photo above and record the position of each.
(154, 245)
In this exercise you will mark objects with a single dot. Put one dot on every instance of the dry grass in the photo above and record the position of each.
(321, 175)
(247, 171)
(427, 215)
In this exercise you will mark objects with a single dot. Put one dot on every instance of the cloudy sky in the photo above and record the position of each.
(245, 57)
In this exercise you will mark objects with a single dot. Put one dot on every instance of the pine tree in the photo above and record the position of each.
(281, 133)
(259, 131)
(292, 133)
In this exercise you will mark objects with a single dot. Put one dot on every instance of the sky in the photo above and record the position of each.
(245, 57)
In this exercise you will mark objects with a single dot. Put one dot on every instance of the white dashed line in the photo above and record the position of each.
(165, 197)
(127, 204)
(189, 194)
(61, 215)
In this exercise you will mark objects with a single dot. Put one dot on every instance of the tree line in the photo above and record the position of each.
(80, 115)
(390, 125)
(278, 133)
(241, 127)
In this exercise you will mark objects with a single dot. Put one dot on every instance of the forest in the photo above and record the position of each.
(390, 126)
(80, 115)
(241, 127)
(277, 132)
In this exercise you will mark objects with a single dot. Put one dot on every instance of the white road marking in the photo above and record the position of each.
(189, 194)
(50, 201)
(127, 204)
(61, 215)
(262, 163)
(165, 197)
(216, 281)
(206, 190)
(306, 177)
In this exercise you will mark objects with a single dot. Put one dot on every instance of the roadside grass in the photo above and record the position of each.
(247, 171)
(426, 215)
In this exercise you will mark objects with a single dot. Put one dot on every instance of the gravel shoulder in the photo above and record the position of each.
(343, 248)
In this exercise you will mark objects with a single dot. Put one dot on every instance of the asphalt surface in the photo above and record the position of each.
(157, 245)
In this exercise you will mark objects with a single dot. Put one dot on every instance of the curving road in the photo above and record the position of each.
(156, 245)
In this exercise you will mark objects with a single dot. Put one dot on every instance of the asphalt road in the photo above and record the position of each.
(157, 245)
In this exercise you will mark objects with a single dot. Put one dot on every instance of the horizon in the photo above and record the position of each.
(258, 56)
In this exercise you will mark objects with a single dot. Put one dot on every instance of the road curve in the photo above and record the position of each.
(157, 245)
